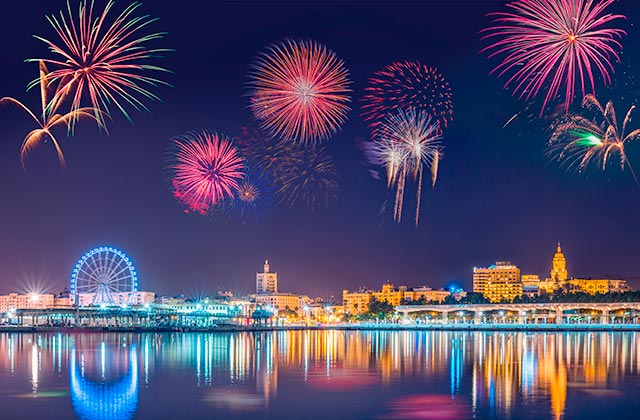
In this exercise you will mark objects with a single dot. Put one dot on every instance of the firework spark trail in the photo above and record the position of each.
(49, 119)
(205, 169)
(299, 91)
(579, 142)
(102, 62)
(405, 144)
(549, 43)
(408, 85)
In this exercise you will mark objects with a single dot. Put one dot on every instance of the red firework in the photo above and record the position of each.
(205, 169)
(299, 91)
(550, 43)
(100, 60)
(408, 85)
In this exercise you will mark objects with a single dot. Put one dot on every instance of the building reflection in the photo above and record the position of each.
(474, 374)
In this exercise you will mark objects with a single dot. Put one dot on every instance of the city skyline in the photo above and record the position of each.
(261, 286)
(497, 196)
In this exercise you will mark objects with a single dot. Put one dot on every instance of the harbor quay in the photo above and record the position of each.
(536, 316)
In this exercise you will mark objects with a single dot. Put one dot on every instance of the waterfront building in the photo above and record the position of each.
(358, 302)
(530, 285)
(559, 272)
(280, 301)
(390, 294)
(243, 307)
(14, 301)
(266, 282)
(429, 294)
(593, 286)
(204, 306)
(498, 282)
(137, 298)
(532, 280)
(168, 300)
(560, 280)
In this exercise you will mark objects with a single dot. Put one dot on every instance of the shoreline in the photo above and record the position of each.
(345, 327)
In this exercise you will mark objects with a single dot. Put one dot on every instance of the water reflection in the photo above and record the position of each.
(390, 374)
(103, 399)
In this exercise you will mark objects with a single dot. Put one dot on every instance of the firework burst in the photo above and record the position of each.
(405, 144)
(299, 91)
(408, 85)
(299, 174)
(312, 180)
(579, 142)
(546, 44)
(49, 118)
(205, 169)
(102, 62)
(254, 196)
(274, 156)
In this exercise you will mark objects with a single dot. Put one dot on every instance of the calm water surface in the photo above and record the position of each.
(320, 375)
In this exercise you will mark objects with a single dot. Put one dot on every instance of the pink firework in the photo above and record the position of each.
(100, 61)
(299, 91)
(408, 85)
(548, 44)
(205, 169)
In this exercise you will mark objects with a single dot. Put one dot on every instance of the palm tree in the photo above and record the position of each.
(50, 117)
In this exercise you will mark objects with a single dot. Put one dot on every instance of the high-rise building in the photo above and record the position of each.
(266, 282)
(559, 267)
(498, 282)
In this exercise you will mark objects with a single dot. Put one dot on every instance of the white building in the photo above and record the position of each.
(266, 282)
(280, 301)
(14, 301)
(123, 298)
(205, 306)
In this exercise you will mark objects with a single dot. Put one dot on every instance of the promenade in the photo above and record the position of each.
(561, 313)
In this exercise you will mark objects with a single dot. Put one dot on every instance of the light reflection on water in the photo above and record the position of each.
(321, 374)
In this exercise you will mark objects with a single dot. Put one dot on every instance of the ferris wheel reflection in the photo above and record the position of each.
(103, 398)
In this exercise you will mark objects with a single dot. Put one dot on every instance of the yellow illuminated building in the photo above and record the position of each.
(559, 272)
(390, 294)
(498, 282)
(560, 280)
(427, 293)
(594, 286)
(358, 302)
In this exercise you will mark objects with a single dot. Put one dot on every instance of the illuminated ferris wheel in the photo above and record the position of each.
(106, 273)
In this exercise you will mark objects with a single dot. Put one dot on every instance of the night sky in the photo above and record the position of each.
(497, 196)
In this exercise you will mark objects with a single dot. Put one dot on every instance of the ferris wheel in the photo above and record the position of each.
(107, 274)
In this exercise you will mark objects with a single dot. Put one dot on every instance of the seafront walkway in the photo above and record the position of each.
(609, 313)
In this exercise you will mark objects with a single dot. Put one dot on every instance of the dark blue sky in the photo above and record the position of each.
(496, 196)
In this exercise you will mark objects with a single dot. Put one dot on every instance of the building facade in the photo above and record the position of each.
(14, 301)
(559, 279)
(498, 282)
(559, 273)
(266, 282)
(594, 286)
(358, 302)
(280, 301)
(121, 298)
(429, 294)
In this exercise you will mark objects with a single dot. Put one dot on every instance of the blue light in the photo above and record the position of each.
(105, 400)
